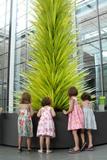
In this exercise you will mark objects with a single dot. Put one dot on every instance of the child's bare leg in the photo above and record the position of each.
(82, 136)
(41, 141)
(19, 142)
(89, 138)
(76, 140)
(83, 140)
(48, 144)
(29, 143)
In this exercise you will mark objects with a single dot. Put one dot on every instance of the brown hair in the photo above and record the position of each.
(46, 101)
(72, 91)
(26, 98)
(86, 96)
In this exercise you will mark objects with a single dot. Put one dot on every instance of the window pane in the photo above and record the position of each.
(1, 76)
(86, 10)
(5, 97)
(20, 40)
(3, 61)
(5, 75)
(2, 13)
(88, 31)
(104, 52)
(20, 55)
(21, 24)
(103, 25)
(102, 6)
(2, 49)
(90, 54)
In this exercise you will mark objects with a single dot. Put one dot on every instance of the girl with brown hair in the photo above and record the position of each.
(25, 128)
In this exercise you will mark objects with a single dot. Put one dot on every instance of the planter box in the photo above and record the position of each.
(0, 129)
(9, 136)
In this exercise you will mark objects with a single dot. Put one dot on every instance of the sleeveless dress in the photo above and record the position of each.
(76, 117)
(25, 127)
(90, 122)
(46, 124)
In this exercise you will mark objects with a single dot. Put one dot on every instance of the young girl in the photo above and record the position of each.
(45, 129)
(75, 117)
(89, 118)
(25, 128)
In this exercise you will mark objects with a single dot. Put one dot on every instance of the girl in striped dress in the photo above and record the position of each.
(90, 122)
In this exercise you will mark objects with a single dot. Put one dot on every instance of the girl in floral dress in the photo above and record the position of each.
(75, 117)
(46, 128)
(25, 128)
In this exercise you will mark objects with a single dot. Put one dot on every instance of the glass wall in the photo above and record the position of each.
(91, 16)
(23, 27)
(4, 41)
(91, 19)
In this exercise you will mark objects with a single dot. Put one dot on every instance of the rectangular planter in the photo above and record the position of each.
(64, 139)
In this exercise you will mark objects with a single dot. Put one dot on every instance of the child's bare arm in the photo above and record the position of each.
(39, 113)
(53, 112)
(71, 107)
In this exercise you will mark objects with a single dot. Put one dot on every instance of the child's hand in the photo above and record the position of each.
(65, 112)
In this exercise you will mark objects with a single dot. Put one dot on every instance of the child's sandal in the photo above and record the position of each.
(90, 148)
(74, 151)
(29, 150)
(20, 149)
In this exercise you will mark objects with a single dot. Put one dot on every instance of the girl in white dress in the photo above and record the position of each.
(90, 122)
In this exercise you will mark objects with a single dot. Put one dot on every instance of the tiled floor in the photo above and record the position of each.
(10, 153)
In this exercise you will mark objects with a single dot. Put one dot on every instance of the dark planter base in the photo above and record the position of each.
(8, 131)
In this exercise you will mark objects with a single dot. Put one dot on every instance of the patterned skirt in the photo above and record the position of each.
(25, 127)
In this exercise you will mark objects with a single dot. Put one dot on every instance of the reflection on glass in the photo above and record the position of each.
(103, 25)
(21, 39)
(6, 45)
(104, 50)
(88, 31)
(21, 8)
(0, 95)
(5, 76)
(85, 10)
(19, 69)
(20, 55)
(90, 54)
(1, 62)
(2, 49)
(102, 6)
(21, 24)
(2, 13)
(105, 79)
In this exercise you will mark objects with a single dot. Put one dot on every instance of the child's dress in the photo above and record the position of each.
(76, 117)
(46, 124)
(25, 127)
(89, 117)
